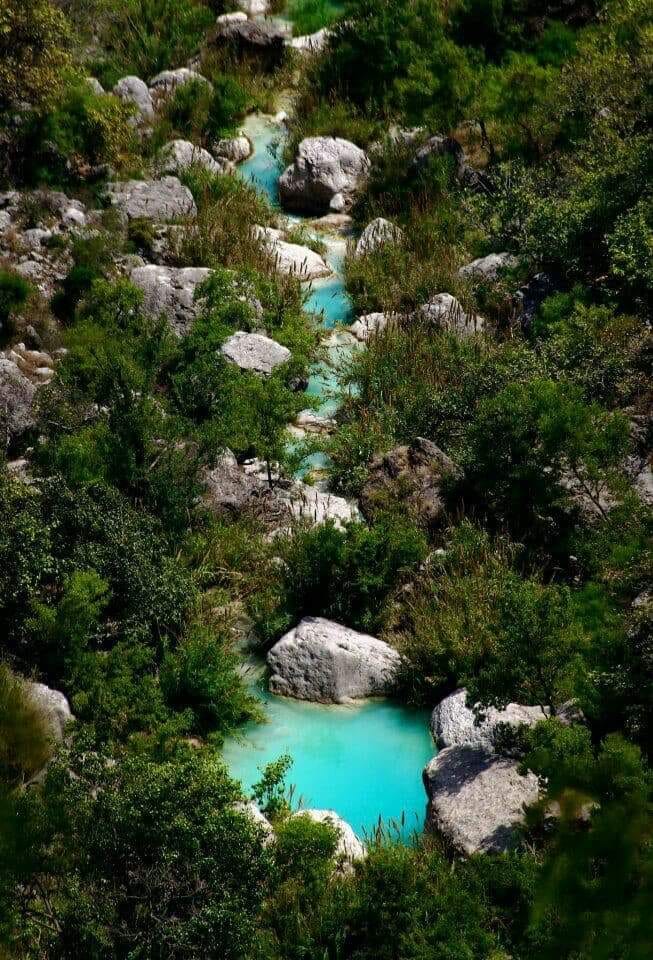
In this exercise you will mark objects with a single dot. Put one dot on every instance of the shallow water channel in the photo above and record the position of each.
(364, 761)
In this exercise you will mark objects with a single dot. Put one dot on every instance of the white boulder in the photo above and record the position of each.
(376, 234)
(134, 91)
(326, 173)
(292, 258)
(235, 149)
(370, 324)
(487, 268)
(453, 722)
(349, 849)
(311, 43)
(252, 811)
(323, 661)
(170, 291)
(448, 314)
(179, 155)
(255, 352)
(476, 799)
(167, 81)
(53, 707)
(164, 199)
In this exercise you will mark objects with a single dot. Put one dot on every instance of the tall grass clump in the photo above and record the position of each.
(309, 16)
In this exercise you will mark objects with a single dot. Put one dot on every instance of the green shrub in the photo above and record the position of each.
(34, 52)
(309, 16)
(14, 293)
(228, 105)
(347, 576)
(200, 675)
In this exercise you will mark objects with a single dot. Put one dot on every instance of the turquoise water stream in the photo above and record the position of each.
(362, 761)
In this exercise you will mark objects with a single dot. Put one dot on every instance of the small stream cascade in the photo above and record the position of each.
(363, 760)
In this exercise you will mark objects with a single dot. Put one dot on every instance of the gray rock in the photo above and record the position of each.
(349, 849)
(179, 155)
(263, 40)
(439, 146)
(370, 324)
(164, 199)
(411, 475)
(251, 810)
(235, 149)
(17, 393)
(376, 234)
(167, 81)
(53, 707)
(230, 17)
(326, 173)
(95, 85)
(311, 43)
(170, 291)
(134, 91)
(453, 722)
(323, 661)
(448, 314)
(476, 799)
(254, 351)
(488, 268)
(249, 8)
(310, 504)
(292, 258)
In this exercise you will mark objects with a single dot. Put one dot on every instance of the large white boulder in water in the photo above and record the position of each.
(325, 662)
(326, 173)
(476, 799)
(170, 291)
(254, 351)
(453, 722)
(292, 258)
(164, 199)
(349, 849)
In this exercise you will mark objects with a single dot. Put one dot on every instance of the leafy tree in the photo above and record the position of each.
(34, 52)
(132, 856)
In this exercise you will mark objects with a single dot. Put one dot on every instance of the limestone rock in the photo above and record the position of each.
(476, 799)
(235, 149)
(453, 722)
(53, 706)
(326, 173)
(319, 506)
(164, 199)
(252, 811)
(252, 8)
(349, 848)
(412, 475)
(312, 422)
(94, 85)
(376, 234)
(254, 351)
(311, 43)
(448, 314)
(133, 90)
(293, 258)
(167, 81)
(230, 17)
(370, 324)
(488, 268)
(179, 155)
(326, 662)
(170, 291)
(250, 38)
(17, 393)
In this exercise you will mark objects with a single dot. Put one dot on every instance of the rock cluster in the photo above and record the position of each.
(325, 175)
(323, 661)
